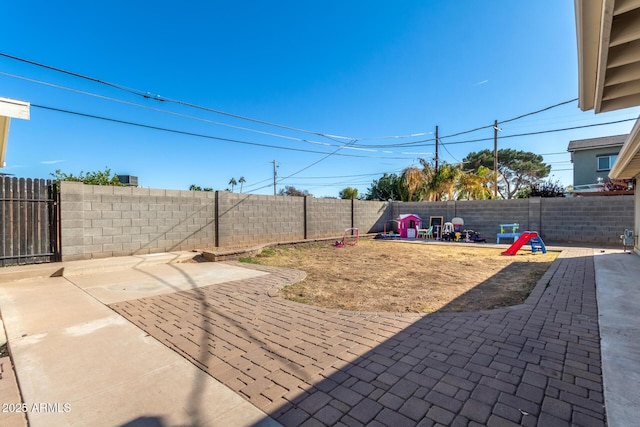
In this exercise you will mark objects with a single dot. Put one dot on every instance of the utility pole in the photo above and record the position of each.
(437, 149)
(437, 160)
(495, 159)
(275, 174)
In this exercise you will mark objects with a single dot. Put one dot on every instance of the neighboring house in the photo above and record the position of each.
(593, 159)
(608, 35)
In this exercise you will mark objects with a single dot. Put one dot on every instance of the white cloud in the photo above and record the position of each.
(481, 83)
(51, 162)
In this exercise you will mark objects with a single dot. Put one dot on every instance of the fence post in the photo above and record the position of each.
(216, 221)
(352, 213)
(535, 223)
(305, 219)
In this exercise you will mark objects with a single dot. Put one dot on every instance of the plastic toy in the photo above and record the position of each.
(408, 225)
(471, 236)
(448, 232)
(531, 237)
(343, 242)
(509, 235)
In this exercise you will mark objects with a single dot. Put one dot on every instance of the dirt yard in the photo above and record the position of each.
(397, 276)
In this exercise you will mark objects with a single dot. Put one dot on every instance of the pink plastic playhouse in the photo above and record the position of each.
(408, 226)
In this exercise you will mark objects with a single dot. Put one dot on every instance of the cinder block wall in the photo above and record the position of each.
(597, 220)
(248, 219)
(327, 217)
(594, 219)
(370, 216)
(105, 221)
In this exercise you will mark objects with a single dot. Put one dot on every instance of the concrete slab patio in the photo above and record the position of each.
(618, 279)
(534, 364)
(80, 363)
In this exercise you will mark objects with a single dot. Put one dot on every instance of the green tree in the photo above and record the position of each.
(385, 188)
(413, 184)
(349, 193)
(542, 189)
(90, 178)
(233, 183)
(194, 187)
(516, 169)
(241, 181)
(290, 190)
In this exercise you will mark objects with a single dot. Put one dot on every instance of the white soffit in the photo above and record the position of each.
(14, 108)
(10, 108)
(627, 165)
(608, 34)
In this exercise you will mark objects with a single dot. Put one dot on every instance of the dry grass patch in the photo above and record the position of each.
(396, 276)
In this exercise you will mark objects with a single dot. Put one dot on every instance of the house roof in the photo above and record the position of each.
(602, 142)
(608, 35)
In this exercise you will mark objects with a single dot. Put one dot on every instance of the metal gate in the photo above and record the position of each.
(29, 221)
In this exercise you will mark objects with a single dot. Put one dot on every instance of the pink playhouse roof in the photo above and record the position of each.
(405, 216)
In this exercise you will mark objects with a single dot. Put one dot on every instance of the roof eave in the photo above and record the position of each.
(588, 13)
(627, 166)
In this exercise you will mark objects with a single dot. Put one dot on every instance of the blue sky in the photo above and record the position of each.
(359, 70)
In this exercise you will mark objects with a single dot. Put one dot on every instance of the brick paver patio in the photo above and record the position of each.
(532, 364)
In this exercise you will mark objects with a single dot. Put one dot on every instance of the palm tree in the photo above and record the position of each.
(430, 176)
(475, 186)
(440, 182)
(233, 183)
(448, 176)
(413, 183)
(241, 181)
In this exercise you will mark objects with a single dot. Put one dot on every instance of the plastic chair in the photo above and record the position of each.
(426, 233)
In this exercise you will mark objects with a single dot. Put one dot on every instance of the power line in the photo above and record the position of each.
(327, 155)
(236, 141)
(155, 97)
(538, 132)
(160, 110)
(538, 111)
(148, 95)
(475, 129)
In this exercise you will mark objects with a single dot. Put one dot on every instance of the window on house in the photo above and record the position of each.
(605, 163)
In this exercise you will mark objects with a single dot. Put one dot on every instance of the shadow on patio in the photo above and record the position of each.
(535, 363)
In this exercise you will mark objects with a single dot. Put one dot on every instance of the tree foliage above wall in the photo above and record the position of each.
(90, 178)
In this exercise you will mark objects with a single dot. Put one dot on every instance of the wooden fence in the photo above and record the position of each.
(28, 221)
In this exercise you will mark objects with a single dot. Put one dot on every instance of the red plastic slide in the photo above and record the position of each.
(524, 238)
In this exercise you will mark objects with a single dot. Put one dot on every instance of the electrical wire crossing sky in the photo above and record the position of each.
(335, 94)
